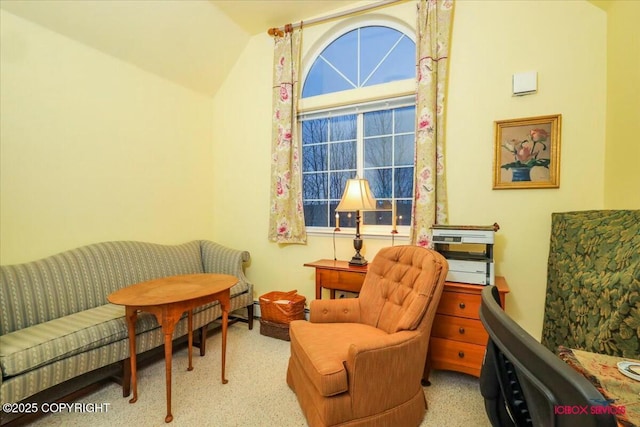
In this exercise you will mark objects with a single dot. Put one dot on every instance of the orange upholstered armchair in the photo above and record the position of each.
(359, 361)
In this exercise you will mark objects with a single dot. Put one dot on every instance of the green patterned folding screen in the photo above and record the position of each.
(593, 282)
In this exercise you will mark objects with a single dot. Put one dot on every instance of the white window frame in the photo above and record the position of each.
(396, 94)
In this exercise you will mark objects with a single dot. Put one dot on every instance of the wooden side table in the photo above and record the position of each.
(458, 339)
(337, 275)
(168, 298)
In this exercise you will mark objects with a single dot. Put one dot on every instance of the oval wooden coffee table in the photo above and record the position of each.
(168, 298)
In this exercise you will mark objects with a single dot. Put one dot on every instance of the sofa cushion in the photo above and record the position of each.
(57, 339)
(322, 350)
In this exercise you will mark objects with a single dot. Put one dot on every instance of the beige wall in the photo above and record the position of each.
(94, 149)
(622, 178)
(565, 42)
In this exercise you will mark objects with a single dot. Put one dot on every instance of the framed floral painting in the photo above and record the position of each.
(527, 153)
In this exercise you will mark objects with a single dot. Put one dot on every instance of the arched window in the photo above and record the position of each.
(369, 136)
(362, 57)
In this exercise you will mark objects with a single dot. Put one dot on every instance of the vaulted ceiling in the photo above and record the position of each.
(193, 43)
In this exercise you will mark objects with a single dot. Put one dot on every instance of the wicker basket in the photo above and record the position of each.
(282, 307)
(275, 330)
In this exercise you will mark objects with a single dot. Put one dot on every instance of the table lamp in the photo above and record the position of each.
(357, 197)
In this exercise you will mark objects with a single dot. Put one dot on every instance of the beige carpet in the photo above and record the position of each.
(256, 395)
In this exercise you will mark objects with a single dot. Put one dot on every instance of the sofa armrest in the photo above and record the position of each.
(344, 310)
(220, 259)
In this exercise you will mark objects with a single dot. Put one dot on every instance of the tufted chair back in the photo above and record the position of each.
(399, 287)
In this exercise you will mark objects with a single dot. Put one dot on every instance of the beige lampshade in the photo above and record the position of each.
(357, 197)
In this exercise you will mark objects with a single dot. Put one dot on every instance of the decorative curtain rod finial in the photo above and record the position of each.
(275, 32)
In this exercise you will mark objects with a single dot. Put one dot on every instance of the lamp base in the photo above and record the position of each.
(358, 260)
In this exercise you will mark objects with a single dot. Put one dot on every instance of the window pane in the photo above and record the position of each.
(343, 155)
(379, 182)
(403, 182)
(377, 123)
(376, 218)
(343, 54)
(390, 56)
(377, 152)
(375, 43)
(348, 219)
(338, 182)
(314, 186)
(399, 65)
(314, 158)
(323, 79)
(403, 212)
(343, 128)
(314, 131)
(405, 119)
(316, 214)
(404, 150)
(381, 216)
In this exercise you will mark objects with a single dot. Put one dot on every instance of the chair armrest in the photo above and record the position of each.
(383, 364)
(376, 347)
(344, 310)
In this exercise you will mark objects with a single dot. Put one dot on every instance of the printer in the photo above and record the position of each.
(468, 250)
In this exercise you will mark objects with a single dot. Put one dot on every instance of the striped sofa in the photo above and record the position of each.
(56, 323)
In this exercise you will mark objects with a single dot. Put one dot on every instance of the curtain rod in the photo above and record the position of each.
(280, 31)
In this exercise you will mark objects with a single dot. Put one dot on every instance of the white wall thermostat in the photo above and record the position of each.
(525, 83)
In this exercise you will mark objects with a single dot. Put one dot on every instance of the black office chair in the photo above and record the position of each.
(525, 384)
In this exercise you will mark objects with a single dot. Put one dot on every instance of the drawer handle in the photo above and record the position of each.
(461, 354)
(461, 305)
(461, 330)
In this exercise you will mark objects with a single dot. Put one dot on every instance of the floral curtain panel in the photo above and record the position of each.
(286, 218)
(434, 33)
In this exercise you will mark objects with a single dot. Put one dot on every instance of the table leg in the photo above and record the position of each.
(224, 304)
(190, 350)
(318, 286)
(132, 316)
(168, 355)
(168, 319)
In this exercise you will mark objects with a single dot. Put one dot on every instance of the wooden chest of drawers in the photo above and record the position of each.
(458, 339)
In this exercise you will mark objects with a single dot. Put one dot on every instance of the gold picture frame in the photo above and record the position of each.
(527, 153)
